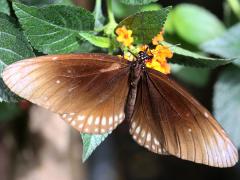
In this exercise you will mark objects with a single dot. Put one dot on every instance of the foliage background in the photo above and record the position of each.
(210, 29)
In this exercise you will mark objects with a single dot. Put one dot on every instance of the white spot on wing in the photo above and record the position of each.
(206, 114)
(81, 126)
(133, 125)
(90, 120)
(55, 58)
(138, 129)
(73, 123)
(104, 120)
(58, 81)
(97, 120)
(148, 136)
(81, 117)
(115, 118)
(110, 120)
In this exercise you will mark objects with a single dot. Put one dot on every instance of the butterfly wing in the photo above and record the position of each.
(167, 120)
(87, 90)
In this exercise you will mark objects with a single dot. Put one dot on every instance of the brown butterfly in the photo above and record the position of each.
(94, 93)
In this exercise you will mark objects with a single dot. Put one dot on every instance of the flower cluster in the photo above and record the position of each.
(124, 36)
(160, 53)
(159, 60)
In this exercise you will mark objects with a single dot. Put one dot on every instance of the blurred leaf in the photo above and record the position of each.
(195, 24)
(226, 102)
(150, 7)
(85, 47)
(188, 58)
(54, 29)
(198, 77)
(98, 14)
(169, 24)
(145, 25)
(90, 143)
(41, 3)
(235, 5)
(227, 45)
(98, 41)
(4, 7)
(8, 111)
(137, 2)
(121, 10)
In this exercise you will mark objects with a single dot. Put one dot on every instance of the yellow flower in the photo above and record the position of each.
(162, 52)
(124, 36)
(162, 66)
(158, 38)
(159, 60)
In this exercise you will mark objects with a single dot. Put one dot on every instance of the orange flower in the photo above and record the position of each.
(124, 36)
(159, 60)
(162, 52)
(162, 67)
(158, 38)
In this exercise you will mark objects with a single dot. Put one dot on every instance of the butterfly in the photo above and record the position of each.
(95, 93)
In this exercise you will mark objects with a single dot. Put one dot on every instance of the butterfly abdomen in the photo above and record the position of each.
(135, 75)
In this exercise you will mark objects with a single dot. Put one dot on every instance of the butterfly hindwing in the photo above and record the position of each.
(179, 124)
(87, 90)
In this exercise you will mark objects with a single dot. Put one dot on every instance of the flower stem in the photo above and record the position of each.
(109, 28)
(110, 12)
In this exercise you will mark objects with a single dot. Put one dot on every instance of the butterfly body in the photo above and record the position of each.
(137, 68)
(94, 93)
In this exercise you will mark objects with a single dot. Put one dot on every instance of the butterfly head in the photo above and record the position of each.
(143, 56)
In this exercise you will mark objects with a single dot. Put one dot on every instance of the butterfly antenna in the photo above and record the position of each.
(132, 53)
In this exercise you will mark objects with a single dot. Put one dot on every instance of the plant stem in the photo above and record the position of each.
(110, 12)
(111, 25)
(235, 5)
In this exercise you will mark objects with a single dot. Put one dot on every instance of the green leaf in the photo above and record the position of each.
(42, 3)
(145, 25)
(98, 41)
(98, 14)
(235, 5)
(54, 29)
(13, 44)
(226, 102)
(169, 24)
(13, 47)
(137, 2)
(150, 7)
(198, 77)
(8, 111)
(4, 7)
(227, 45)
(90, 143)
(188, 58)
(5, 94)
(195, 24)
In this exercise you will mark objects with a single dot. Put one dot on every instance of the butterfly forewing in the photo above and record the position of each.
(87, 90)
(180, 124)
